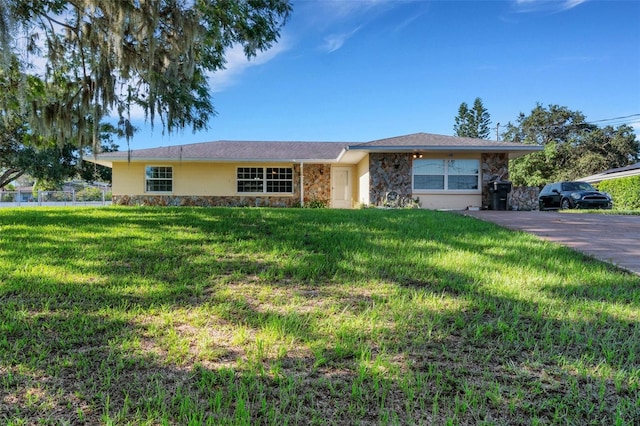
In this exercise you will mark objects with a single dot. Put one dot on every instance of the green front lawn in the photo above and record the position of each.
(300, 316)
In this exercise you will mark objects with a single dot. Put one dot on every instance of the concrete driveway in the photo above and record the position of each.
(613, 239)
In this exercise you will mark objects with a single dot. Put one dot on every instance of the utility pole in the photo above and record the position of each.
(498, 132)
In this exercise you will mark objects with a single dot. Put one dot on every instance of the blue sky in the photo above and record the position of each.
(361, 70)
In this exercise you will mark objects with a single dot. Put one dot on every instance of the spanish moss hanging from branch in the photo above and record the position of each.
(85, 60)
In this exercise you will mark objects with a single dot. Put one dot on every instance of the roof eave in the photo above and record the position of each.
(110, 160)
(470, 148)
(99, 161)
(609, 176)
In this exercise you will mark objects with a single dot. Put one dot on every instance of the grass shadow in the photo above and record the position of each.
(181, 316)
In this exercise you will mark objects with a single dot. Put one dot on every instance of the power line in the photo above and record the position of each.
(624, 118)
(627, 119)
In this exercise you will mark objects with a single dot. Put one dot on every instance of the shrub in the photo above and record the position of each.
(316, 204)
(89, 194)
(625, 192)
(7, 197)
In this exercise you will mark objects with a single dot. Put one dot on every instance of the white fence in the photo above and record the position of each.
(53, 198)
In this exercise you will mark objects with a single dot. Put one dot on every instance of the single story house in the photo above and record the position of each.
(22, 194)
(444, 172)
(619, 172)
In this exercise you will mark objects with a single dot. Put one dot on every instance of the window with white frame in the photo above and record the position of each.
(250, 179)
(265, 179)
(446, 175)
(158, 179)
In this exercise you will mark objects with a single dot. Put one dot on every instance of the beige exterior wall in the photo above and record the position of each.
(444, 201)
(207, 184)
(128, 179)
(361, 181)
(370, 179)
(192, 179)
(206, 179)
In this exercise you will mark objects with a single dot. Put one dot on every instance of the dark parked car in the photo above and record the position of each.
(573, 195)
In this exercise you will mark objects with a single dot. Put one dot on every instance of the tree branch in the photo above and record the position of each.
(9, 176)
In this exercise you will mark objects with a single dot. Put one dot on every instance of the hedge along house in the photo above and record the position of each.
(444, 172)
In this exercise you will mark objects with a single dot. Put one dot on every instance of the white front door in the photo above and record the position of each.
(341, 192)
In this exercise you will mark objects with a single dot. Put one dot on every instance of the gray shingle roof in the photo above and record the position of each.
(622, 169)
(308, 151)
(428, 140)
(236, 150)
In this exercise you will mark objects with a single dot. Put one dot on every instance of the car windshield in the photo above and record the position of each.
(577, 186)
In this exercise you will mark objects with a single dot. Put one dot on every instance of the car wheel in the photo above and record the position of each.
(565, 204)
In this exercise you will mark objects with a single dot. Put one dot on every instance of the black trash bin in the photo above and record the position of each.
(499, 190)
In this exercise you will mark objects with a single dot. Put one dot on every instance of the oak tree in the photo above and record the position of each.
(573, 148)
(83, 60)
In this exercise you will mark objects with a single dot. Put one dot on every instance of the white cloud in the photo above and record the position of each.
(570, 4)
(335, 20)
(409, 20)
(334, 42)
(341, 9)
(237, 63)
(547, 5)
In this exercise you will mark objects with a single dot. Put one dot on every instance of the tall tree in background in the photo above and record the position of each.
(573, 148)
(101, 57)
(463, 126)
(13, 162)
(50, 165)
(474, 122)
(23, 152)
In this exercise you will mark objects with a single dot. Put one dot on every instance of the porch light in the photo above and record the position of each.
(417, 155)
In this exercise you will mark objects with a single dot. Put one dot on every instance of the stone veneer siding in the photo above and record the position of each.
(524, 198)
(520, 198)
(493, 165)
(392, 172)
(317, 188)
(317, 183)
(389, 172)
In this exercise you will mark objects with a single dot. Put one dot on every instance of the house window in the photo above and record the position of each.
(447, 175)
(463, 174)
(265, 179)
(250, 179)
(159, 179)
(428, 174)
(279, 179)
